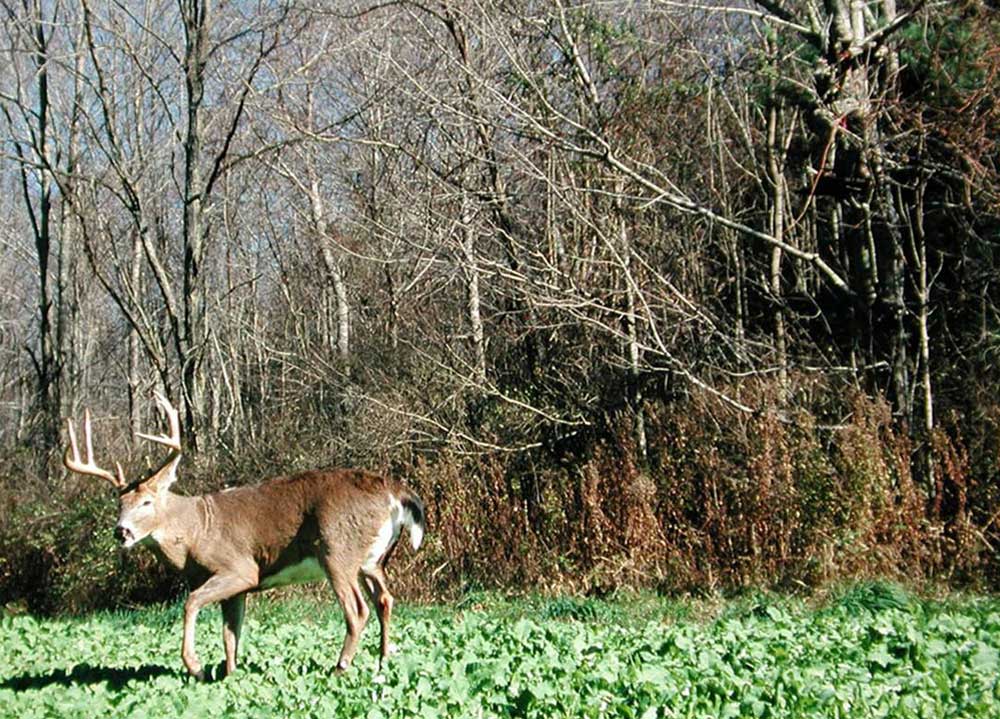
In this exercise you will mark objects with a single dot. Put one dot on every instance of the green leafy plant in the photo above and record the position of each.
(874, 651)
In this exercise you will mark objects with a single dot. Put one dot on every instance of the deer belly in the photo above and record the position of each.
(308, 570)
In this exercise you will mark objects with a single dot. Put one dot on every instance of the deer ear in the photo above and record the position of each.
(166, 476)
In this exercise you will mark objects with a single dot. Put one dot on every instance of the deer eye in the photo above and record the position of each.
(146, 503)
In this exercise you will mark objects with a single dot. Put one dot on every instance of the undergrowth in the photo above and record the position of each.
(721, 502)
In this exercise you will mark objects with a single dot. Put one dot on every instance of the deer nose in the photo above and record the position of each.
(122, 533)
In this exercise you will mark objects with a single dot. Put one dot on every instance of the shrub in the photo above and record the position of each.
(721, 500)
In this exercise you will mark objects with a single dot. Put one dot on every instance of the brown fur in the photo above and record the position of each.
(228, 542)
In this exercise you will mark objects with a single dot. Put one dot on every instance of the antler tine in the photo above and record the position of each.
(173, 440)
(71, 457)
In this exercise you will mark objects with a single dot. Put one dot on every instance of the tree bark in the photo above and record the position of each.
(472, 304)
(196, 15)
(333, 270)
(775, 154)
(631, 325)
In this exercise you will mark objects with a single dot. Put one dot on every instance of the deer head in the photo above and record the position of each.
(140, 503)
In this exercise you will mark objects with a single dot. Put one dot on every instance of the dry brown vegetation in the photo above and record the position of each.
(722, 502)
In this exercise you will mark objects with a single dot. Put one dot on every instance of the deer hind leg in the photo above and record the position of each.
(345, 586)
(374, 581)
(232, 621)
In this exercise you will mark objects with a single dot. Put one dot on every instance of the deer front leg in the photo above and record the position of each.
(232, 620)
(218, 588)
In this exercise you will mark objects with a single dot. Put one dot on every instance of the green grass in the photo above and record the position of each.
(872, 651)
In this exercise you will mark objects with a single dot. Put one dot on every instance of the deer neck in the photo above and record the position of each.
(183, 519)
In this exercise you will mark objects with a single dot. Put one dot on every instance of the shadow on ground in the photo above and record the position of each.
(115, 677)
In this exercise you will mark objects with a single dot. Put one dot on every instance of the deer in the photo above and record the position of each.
(341, 525)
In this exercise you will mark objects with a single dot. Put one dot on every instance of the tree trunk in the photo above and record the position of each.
(44, 358)
(631, 327)
(918, 252)
(333, 269)
(196, 15)
(135, 402)
(468, 238)
(776, 174)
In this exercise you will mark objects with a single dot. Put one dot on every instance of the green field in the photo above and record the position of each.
(873, 651)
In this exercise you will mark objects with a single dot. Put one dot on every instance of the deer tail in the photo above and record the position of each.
(414, 517)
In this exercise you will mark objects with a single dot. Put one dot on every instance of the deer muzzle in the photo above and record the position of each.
(124, 535)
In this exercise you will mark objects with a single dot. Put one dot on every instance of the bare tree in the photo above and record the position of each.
(138, 125)
(40, 109)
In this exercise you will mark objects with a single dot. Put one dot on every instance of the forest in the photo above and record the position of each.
(660, 294)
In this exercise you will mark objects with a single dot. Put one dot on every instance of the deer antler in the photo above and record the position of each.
(72, 461)
(173, 440)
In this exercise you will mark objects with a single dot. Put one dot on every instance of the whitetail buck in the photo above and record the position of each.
(339, 524)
